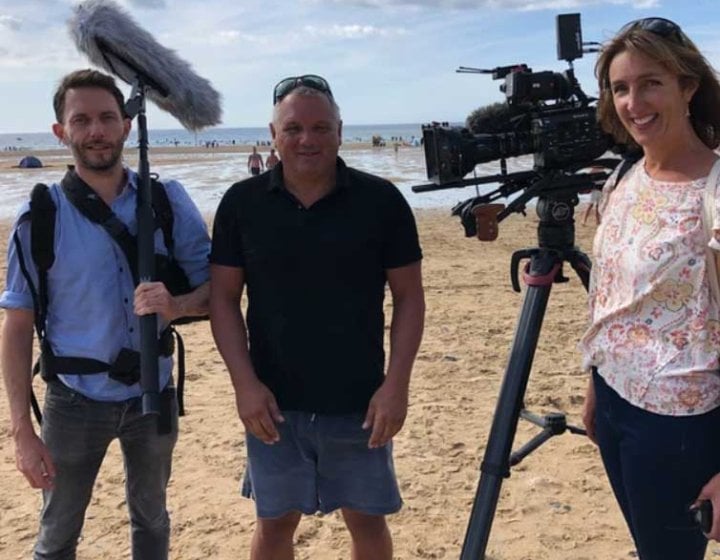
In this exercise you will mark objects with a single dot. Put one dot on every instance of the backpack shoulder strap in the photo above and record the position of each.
(90, 205)
(42, 245)
(709, 201)
(621, 170)
(164, 218)
(42, 227)
(41, 216)
(42, 250)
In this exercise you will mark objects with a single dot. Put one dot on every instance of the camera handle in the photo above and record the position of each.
(544, 269)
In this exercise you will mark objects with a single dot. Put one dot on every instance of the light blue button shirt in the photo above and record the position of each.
(90, 286)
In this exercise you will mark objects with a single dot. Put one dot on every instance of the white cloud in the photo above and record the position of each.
(228, 37)
(567, 4)
(521, 5)
(152, 4)
(50, 52)
(38, 62)
(11, 22)
(352, 31)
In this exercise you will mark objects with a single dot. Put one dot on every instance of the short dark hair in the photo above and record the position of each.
(681, 58)
(87, 78)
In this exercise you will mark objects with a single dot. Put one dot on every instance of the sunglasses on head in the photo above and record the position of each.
(659, 26)
(285, 86)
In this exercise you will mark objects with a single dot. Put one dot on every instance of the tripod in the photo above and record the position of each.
(556, 238)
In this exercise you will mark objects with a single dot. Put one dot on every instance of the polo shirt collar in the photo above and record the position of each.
(342, 177)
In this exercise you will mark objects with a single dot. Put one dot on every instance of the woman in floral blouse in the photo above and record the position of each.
(653, 403)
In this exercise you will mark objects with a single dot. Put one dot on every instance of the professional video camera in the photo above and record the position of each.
(558, 135)
(546, 114)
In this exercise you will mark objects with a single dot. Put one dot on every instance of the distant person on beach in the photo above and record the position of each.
(592, 208)
(653, 402)
(272, 160)
(90, 332)
(316, 242)
(595, 198)
(255, 162)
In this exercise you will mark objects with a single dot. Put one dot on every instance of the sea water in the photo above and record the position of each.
(220, 136)
(208, 174)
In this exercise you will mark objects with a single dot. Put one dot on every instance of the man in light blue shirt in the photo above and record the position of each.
(93, 307)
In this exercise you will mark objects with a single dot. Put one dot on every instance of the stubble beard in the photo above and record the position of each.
(97, 162)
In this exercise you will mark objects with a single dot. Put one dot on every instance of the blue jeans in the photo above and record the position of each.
(657, 465)
(77, 432)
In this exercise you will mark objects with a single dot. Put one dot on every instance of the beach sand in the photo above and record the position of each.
(557, 505)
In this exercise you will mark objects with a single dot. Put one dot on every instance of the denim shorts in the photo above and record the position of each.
(321, 463)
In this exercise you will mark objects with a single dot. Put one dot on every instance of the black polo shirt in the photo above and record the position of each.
(316, 282)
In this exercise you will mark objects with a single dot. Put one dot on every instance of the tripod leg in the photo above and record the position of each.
(495, 465)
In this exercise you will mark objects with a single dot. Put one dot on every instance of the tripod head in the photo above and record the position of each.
(556, 229)
(556, 244)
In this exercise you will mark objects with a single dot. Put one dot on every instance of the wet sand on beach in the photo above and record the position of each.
(10, 159)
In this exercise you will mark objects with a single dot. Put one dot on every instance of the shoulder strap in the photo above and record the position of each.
(94, 209)
(164, 217)
(625, 165)
(42, 244)
(42, 227)
(42, 250)
(709, 201)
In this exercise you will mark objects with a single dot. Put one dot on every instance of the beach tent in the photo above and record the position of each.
(30, 162)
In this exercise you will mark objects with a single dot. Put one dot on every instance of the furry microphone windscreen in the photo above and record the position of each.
(112, 40)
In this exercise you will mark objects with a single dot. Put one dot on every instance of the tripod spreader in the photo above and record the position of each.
(553, 424)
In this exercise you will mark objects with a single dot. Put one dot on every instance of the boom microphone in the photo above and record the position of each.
(112, 40)
(492, 119)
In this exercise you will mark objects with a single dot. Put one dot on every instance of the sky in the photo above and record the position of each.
(387, 61)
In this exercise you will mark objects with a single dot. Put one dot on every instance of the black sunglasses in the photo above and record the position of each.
(659, 26)
(285, 86)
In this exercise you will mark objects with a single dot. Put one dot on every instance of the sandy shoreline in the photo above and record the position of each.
(557, 505)
(10, 158)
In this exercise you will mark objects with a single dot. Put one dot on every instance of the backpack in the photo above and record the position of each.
(42, 216)
(709, 198)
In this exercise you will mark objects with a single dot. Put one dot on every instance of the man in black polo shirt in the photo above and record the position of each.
(316, 242)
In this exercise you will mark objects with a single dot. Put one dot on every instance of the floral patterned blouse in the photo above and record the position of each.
(654, 333)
